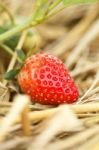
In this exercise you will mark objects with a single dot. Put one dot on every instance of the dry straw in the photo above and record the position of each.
(20, 103)
(76, 126)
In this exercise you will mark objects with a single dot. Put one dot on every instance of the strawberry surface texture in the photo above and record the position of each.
(47, 81)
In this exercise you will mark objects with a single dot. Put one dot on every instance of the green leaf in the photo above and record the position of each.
(11, 74)
(40, 2)
(11, 42)
(71, 2)
(41, 10)
(21, 54)
(2, 30)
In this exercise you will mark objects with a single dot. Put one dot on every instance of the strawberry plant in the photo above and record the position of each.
(65, 90)
(49, 75)
(45, 78)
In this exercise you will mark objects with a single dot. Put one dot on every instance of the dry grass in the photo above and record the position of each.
(72, 35)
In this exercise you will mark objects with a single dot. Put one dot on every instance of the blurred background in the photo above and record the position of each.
(72, 35)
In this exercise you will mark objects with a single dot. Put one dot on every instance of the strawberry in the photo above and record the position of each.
(45, 78)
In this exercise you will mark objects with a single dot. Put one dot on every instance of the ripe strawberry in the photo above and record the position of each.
(45, 78)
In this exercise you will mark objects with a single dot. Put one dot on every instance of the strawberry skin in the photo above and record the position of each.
(46, 80)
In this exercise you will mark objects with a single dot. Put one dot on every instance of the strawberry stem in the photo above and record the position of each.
(16, 29)
(34, 20)
(43, 11)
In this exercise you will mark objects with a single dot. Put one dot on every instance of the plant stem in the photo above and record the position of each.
(6, 48)
(20, 43)
(29, 23)
(54, 4)
(55, 12)
(14, 58)
(9, 50)
(13, 31)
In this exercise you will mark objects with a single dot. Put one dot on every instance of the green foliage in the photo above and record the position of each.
(11, 74)
(2, 30)
(71, 2)
(12, 41)
(41, 10)
(44, 8)
(21, 54)
(40, 2)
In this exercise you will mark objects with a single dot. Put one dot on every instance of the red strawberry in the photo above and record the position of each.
(45, 78)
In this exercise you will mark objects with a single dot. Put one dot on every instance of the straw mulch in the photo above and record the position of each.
(73, 36)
